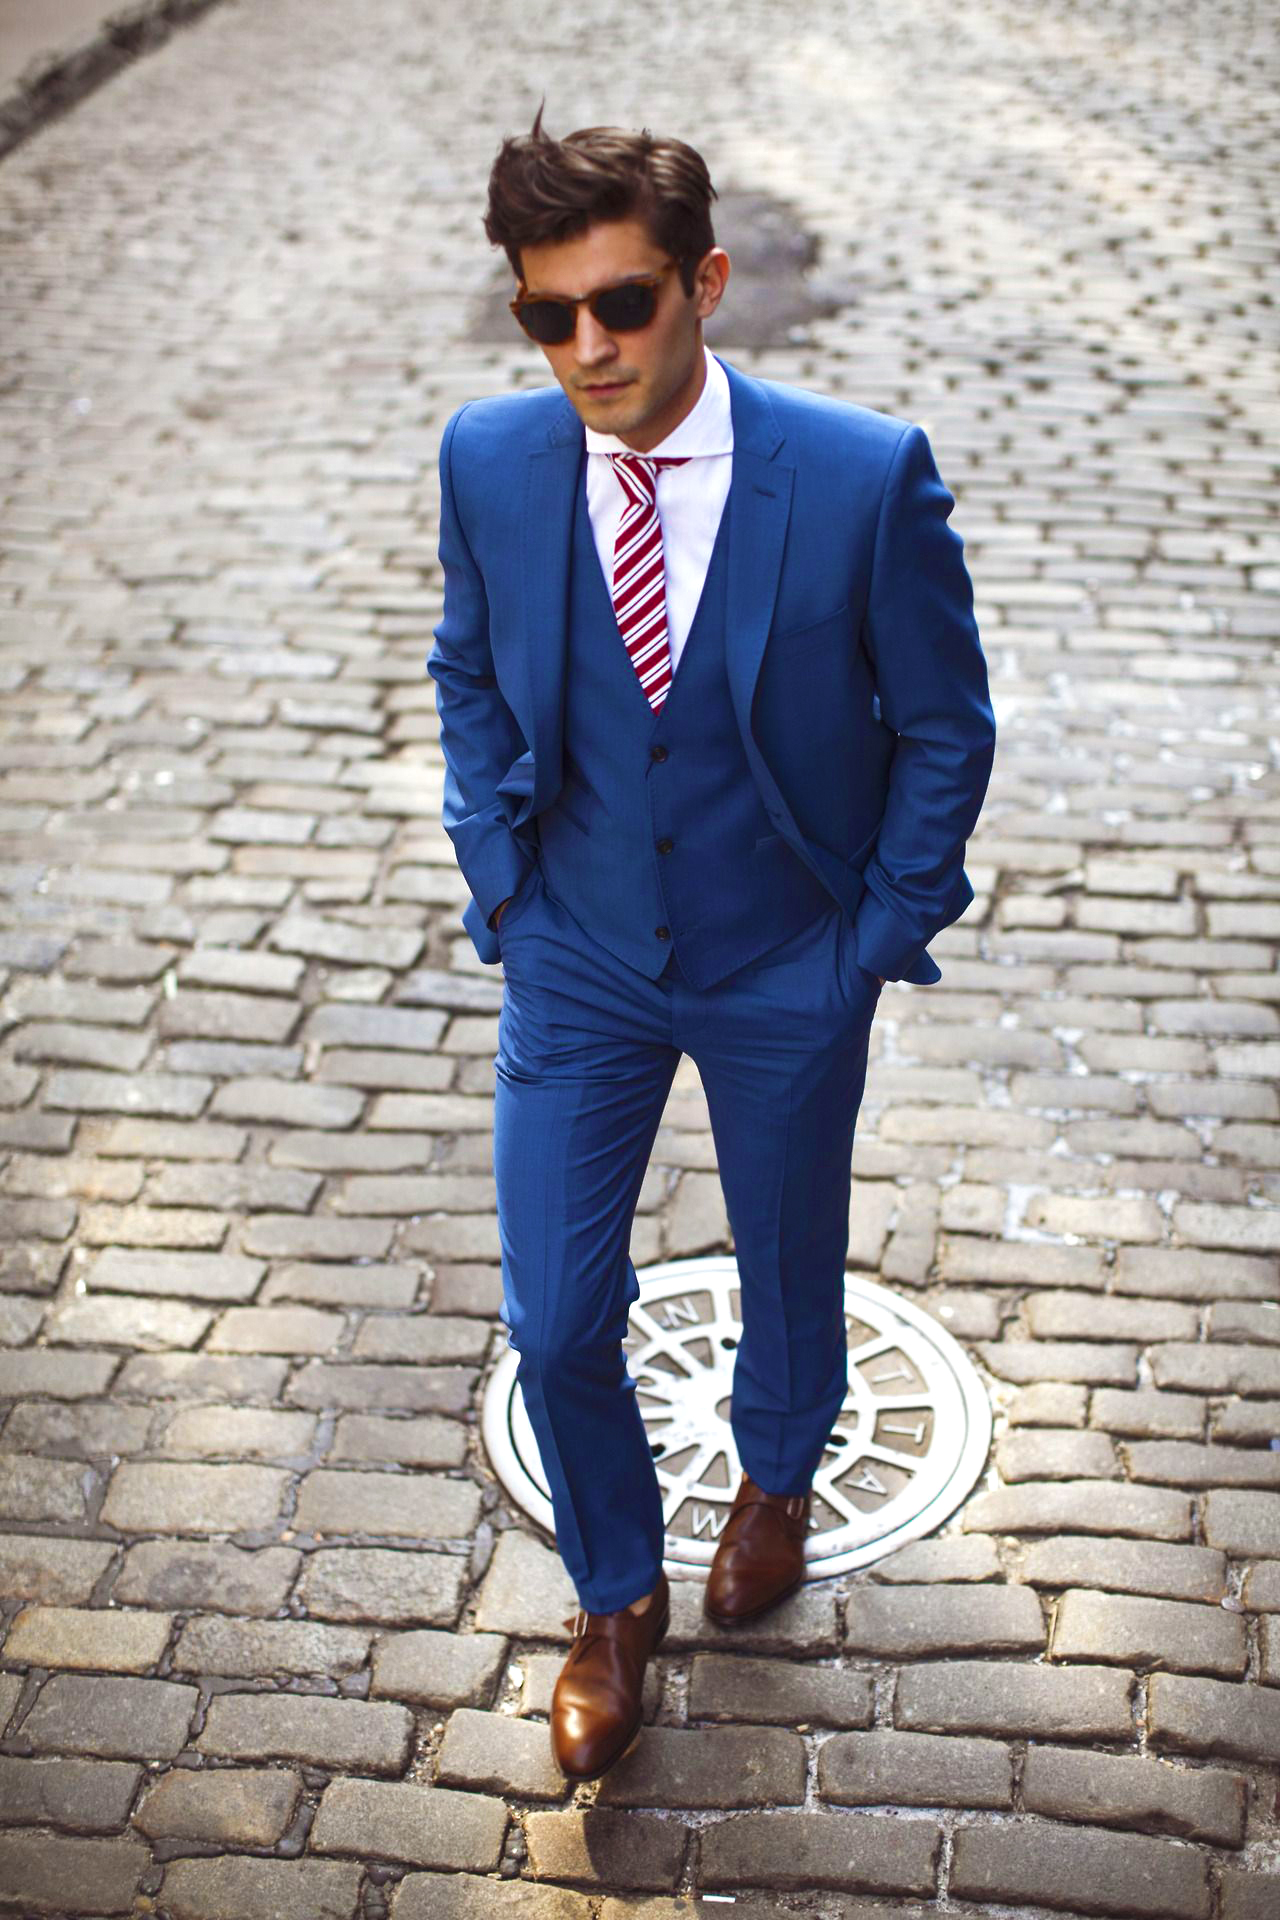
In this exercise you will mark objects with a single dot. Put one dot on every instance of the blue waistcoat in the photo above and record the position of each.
(659, 838)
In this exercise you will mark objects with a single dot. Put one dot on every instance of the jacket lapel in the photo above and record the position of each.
(759, 508)
(551, 484)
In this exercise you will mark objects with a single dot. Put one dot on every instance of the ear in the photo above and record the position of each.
(710, 281)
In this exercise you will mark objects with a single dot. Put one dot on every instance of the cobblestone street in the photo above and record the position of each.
(275, 1643)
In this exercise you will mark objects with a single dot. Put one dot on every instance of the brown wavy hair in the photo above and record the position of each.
(546, 189)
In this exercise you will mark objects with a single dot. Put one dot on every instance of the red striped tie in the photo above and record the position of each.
(639, 576)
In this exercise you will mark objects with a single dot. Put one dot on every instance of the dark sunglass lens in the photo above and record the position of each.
(549, 322)
(622, 309)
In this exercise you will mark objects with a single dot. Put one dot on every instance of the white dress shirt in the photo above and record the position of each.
(690, 498)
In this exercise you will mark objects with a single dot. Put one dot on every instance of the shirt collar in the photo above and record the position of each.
(706, 429)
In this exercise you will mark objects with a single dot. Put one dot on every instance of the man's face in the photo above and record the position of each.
(640, 384)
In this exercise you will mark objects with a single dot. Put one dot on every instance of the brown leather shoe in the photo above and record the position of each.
(760, 1556)
(596, 1709)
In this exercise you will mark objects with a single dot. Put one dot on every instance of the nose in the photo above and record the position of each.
(594, 344)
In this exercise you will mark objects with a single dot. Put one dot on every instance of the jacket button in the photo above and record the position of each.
(663, 933)
(657, 753)
(665, 846)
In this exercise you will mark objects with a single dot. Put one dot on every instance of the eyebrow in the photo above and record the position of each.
(641, 273)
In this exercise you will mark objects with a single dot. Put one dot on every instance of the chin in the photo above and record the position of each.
(610, 416)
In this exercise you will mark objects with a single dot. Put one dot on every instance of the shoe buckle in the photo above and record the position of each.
(580, 1623)
(795, 1506)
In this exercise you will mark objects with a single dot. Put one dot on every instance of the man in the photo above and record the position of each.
(716, 728)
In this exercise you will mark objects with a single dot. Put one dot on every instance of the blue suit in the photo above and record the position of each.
(725, 879)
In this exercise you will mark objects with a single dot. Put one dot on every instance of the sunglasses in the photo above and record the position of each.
(551, 319)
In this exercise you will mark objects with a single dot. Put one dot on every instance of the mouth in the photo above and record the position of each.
(600, 389)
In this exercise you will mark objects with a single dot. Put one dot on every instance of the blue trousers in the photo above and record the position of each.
(587, 1050)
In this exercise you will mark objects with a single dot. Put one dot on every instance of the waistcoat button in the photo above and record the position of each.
(657, 753)
(665, 846)
(663, 933)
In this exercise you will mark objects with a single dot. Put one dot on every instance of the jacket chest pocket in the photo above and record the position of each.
(811, 633)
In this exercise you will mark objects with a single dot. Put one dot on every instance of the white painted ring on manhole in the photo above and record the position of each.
(908, 1444)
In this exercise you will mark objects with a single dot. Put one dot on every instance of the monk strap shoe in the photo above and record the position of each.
(597, 1706)
(760, 1556)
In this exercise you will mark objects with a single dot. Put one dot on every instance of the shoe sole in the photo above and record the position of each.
(636, 1728)
(742, 1619)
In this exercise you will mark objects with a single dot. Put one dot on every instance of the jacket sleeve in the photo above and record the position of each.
(931, 678)
(478, 732)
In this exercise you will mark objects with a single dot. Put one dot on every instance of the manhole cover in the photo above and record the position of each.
(909, 1443)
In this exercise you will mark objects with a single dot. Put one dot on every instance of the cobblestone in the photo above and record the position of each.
(171, 1498)
(252, 1648)
(79, 1177)
(1248, 1896)
(381, 1585)
(709, 1767)
(125, 1321)
(955, 1558)
(246, 1887)
(239, 1432)
(724, 1686)
(54, 1572)
(369, 1738)
(1089, 1506)
(42, 1489)
(902, 1622)
(424, 1826)
(114, 1719)
(405, 1389)
(1245, 1524)
(276, 1330)
(1128, 1566)
(1040, 1453)
(200, 1376)
(494, 1753)
(429, 1441)
(1214, 1718)
(239, 1807)
(197, 1574)
(86, 1795)
(763, 1907)
(1129, 1631)
(172, 1095)
(1217, 1369)
(1252, 1422)
(98, 1637)
(283, 1103)
(1148, 1414)
(600, 1844)
(915, 1770)
(50, 1873)
(1119, 1791)
(863, 1852)
(163, 1140)
(1082, 1360)
(982, 1696)
(435, 1896)
(436, 1669)
(1103, 1873)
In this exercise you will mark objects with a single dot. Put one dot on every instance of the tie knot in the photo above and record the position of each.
(642, 469)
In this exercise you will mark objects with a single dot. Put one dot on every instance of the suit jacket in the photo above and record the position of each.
(856, 672)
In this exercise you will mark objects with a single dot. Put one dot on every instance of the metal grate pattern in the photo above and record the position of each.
(907, 1447)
